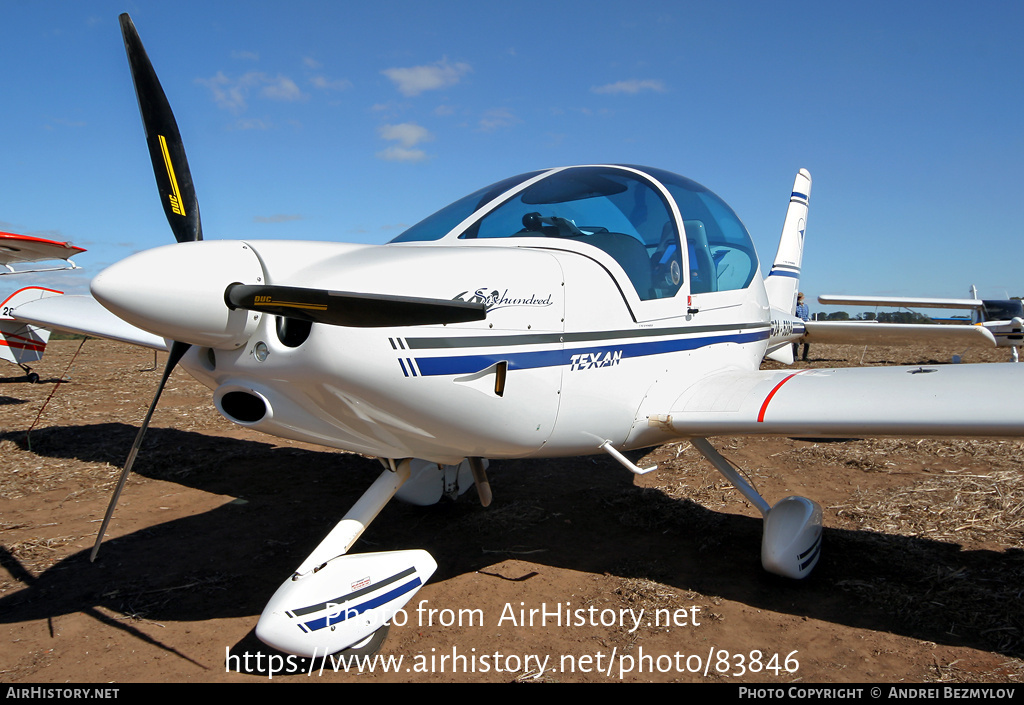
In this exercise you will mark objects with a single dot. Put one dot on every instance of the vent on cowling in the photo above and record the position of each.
(293, 332)
(243, 407)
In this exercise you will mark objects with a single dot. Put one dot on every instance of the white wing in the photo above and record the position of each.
(933, 400)
(906, 302)
(871, 333)
(84, 315)
(24, 248)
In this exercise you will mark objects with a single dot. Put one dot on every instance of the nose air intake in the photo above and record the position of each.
(242, 406)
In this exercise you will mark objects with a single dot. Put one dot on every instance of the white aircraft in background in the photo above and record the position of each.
(566, 311)
(22, 343)
(1001, 319)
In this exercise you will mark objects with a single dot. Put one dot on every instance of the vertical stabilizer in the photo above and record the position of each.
(977, 314)
(20, 342)
(783, 280)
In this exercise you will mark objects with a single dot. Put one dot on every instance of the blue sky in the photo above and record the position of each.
(350, 121)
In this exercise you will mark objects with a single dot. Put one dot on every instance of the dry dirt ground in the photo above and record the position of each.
(920, 577)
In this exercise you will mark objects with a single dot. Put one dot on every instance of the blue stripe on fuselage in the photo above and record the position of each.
(517, 360)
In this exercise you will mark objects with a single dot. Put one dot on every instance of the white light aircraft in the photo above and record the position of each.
(1002, 320)
(561, 312)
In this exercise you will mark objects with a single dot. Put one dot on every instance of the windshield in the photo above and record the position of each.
(445, 220)
(614, 210)
(620, 212)
(1003, 310)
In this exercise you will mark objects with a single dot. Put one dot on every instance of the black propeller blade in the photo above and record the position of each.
(343, 308)
(173, 178)
(177, 350)
(177, 193)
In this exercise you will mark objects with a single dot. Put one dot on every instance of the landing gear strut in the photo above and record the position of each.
(791, 542)
(334, 601)
(32, 377)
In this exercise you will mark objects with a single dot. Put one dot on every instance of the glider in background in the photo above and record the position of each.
(998, 322)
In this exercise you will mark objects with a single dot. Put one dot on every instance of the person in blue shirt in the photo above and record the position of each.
(804, 314)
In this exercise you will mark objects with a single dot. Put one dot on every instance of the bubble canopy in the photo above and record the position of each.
(634, 214)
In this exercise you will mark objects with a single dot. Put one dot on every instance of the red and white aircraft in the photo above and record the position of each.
(20, 342)
(566, 311)
(24, 248)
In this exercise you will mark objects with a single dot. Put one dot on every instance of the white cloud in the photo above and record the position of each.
(496, 119)
(331, 84)
(630, 87)
(233, 94)
(280, 88)
(394, 153)
(417, 79)
(226, 94)
(64, 122)
(407, 135)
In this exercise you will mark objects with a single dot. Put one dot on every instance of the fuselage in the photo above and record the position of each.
(608, 292)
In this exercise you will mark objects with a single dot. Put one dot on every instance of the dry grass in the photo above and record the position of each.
(953, 507)
(897, 454)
